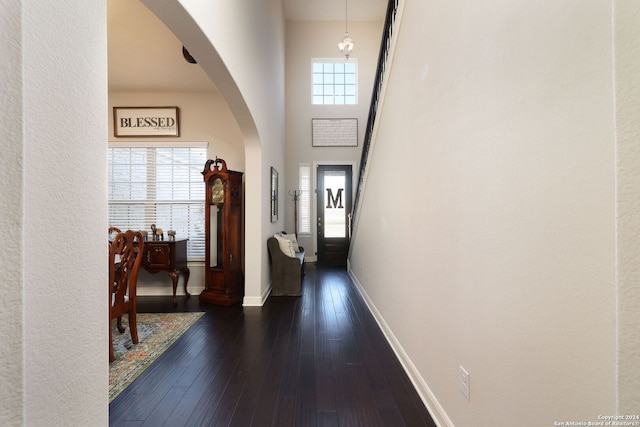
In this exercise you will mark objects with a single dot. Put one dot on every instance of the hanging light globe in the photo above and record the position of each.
(346, 45)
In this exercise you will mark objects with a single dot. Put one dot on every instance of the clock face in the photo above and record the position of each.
(217, 192)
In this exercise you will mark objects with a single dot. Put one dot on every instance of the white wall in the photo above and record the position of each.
(55, 365)
(11, 212)
(486, 236)
(203, 117)
(627, 42)
(305, 41)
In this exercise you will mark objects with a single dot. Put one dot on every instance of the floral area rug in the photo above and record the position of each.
(156, 333)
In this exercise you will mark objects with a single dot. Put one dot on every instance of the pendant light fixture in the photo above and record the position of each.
(346, 45)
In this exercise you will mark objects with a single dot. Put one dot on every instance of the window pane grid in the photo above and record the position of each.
(333, 83)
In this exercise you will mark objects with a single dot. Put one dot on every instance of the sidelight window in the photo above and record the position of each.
(304, 200)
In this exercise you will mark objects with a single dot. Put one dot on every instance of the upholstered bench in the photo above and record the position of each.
(287, 268)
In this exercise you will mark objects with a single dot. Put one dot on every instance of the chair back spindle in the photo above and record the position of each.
(125, 259)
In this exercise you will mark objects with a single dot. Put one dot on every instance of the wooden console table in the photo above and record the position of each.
(169, 256)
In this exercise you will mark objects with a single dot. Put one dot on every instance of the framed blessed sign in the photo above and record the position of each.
(334, 132)
(146, 121)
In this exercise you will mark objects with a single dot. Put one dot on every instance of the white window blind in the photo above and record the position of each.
(159, 185)
(304, 202)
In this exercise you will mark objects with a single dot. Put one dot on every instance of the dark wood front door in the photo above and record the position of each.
(334, 213)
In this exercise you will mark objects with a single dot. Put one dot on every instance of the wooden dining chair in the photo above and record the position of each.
(113, 231)
(125, 258)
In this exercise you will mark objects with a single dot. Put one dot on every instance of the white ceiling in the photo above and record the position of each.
(144, 56)
(334, 10)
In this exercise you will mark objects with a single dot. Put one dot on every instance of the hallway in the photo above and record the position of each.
(319, 359)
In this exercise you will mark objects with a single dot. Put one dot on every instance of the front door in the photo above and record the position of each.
(334, 213)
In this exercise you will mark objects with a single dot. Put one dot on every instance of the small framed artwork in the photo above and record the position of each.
(146, 121)
(334, 132)
(274, 195)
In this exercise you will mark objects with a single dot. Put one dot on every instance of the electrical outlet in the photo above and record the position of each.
(465, 386)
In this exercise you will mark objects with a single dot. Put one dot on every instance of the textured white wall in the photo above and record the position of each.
(62, 150)
(627, 42)
(487, 233)
(11, 200)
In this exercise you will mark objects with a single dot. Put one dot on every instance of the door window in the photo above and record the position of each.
(335, 224)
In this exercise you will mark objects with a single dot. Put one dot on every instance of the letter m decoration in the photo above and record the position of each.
(337, 201)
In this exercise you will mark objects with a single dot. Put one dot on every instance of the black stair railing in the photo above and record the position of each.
(385, 46)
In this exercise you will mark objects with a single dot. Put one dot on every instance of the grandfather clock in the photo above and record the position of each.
(224, 283)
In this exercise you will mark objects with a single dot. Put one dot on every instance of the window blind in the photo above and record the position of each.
(159, 185)
(304, 202)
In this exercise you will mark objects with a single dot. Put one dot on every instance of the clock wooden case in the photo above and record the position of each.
(224, 281)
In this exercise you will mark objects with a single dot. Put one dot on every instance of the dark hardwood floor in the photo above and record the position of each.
(315, 360)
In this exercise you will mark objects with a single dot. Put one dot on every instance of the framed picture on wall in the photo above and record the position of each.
(334, 132)
(146, 121)
(274, 195)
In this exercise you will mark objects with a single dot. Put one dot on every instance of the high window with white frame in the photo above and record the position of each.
(161, 184)
(334, 81)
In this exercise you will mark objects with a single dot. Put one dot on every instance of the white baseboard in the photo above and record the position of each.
(433, 406)
(257, 301)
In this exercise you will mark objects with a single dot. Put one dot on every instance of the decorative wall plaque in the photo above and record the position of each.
(146, 121)
(334, 132)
